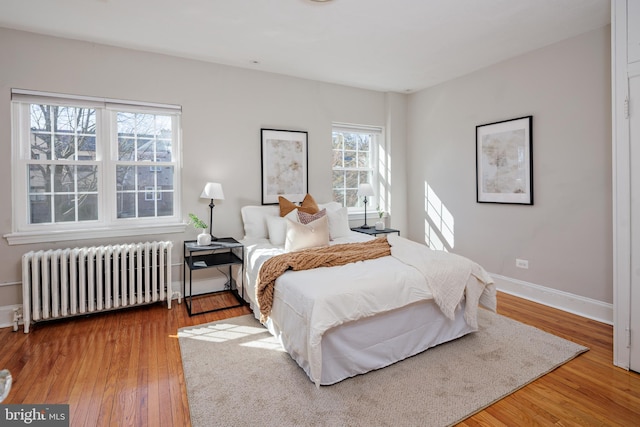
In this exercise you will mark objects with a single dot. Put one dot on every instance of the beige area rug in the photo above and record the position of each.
(238, 375)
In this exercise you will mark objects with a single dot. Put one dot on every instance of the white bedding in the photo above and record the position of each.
(307, 304)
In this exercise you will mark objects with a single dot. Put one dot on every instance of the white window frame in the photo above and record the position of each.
(107, 225)
(377, 144)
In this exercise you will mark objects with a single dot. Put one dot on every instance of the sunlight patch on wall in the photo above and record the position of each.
(384, 178)
(438, 223)
(431, 237)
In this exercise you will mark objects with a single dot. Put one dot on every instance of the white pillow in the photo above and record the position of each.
(338, 223)
(255, 220)
(305, 236)
(330, 206)
(338, 219)
(277, 227)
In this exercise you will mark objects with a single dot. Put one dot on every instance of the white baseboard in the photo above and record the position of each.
(576, 304)
(6, 315)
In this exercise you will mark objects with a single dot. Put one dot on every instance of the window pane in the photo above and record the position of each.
(64, 119)
(64, 146)
(163, 150)
(364, 159)
(337, 158)
(86, 121)
(164, 126)
(364, 142)
(40, 146)
(338, 196)
(39, 178)
(126, 123)
(145, 124)
(146, 208)
(351, 198)
(88, 207)
(125, 178)
(40, 209)
(350, 159)
(164, 176)
(126, 205)
(338, 179)
(65, 208)
(165, 205)
(337, 141)
(63, 179)
(351, 179)
(146, 177)
(145, 149)
(86, 147)
(126, 146)
(349, 141)
(87, 178)
(40, 117)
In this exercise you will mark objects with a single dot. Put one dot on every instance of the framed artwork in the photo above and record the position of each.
(284, 165)
(504, 164)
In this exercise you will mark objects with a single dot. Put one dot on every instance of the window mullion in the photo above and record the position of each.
(52, 192)
(107, 145)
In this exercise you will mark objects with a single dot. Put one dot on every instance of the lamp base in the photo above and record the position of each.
(366, 226)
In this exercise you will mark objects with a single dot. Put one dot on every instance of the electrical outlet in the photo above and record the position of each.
(522, 263)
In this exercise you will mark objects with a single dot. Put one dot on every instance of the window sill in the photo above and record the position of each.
(360, 216)
(23, 238)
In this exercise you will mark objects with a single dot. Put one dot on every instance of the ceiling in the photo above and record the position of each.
(385, 45)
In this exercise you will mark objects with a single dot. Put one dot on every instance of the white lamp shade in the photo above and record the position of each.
(365, 190)
(212, 190)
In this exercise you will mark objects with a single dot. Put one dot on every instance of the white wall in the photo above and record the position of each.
(566, 235)
(223, 111)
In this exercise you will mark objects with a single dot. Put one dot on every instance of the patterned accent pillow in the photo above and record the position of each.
(306, 218)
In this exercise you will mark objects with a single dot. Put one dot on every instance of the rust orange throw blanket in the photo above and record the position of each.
(329, 256)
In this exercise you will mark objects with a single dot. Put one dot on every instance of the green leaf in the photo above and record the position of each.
(197, 222)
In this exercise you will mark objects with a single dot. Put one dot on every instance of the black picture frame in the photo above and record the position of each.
(284, 165)
(504, 162)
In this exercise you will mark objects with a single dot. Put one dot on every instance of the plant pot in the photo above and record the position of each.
(204, 238)
(380, 225)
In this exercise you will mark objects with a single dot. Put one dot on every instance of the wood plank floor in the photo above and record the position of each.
(124, 368)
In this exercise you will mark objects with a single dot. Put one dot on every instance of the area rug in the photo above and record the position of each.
(238, 375)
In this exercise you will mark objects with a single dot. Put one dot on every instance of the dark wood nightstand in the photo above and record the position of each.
(373, 232)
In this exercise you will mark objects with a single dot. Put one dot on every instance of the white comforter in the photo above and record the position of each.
(310, 302)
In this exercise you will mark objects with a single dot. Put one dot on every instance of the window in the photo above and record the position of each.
(87, 164)
(355, 161)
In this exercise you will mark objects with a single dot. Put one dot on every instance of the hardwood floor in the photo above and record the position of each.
(124, 368)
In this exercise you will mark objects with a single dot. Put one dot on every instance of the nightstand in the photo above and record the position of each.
(222, 253)
(373, 232)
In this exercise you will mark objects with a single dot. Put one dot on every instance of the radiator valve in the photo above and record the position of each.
(17, 317)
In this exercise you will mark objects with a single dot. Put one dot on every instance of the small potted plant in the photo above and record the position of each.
(204, 238)
(380, 225)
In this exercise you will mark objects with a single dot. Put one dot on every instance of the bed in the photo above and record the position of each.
(341, 321)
